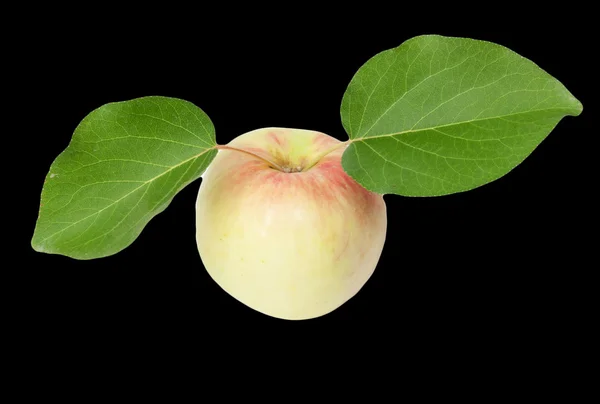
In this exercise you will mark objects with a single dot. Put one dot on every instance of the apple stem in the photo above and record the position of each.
(270, 163)
(315, 161)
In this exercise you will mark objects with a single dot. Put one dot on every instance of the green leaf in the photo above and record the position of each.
(439, 115)
(125, 163)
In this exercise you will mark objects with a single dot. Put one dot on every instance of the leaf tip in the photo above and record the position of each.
(578, 107)
(37, 246)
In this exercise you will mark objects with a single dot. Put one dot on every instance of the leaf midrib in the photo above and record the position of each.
(129, 193)
(359, 139)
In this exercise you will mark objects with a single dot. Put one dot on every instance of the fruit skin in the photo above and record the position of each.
(292, 245)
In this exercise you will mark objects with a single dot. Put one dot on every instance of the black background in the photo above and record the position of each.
(499, 261)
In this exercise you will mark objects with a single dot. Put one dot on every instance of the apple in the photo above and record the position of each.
(282, 228)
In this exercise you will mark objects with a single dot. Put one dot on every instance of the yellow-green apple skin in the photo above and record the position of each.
(282, 228)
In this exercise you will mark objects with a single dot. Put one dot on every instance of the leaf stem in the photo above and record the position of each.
(272, 164)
